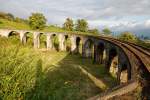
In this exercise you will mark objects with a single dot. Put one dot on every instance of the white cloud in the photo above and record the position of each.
(119, 15)
(147, 23)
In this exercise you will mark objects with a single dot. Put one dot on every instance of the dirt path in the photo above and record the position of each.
(118, 92)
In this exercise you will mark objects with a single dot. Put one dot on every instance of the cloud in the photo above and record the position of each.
(147, 23)
(119, 15)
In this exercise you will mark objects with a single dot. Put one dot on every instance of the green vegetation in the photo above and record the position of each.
(37, 21)
(127, 36)
(81, 25)
(106, 31)
(6, 24)
(143, 43)
(94, 31)
(11, 17)
(28, 74)
(68, 25)
(130, 37)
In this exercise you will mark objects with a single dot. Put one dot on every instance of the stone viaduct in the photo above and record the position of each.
(119, 58)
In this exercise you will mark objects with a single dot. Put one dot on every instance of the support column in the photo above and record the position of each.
(73, 43)
(4, 32)
(83, 50)
(95, 54)
(83, 47)
(22, 37)
(106, 60)
(36, 40)
(49, 42)
(61, 38)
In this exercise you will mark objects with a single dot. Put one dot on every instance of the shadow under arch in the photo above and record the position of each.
(89, 48)
(13, 33)
(78, 49)
(111, 55)
(124, 73)
(100, 52)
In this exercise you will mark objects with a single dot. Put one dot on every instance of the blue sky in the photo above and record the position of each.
(118, 15)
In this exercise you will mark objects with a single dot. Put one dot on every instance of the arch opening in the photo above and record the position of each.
(55, 42)
(14, 37)
(67, 43)
(29, 38)
(78, 45)
(89, 48)
(100, 52)
(125, 73)
(42, 38)
(112, 64)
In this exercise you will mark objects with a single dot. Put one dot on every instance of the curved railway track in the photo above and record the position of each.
(138, 58)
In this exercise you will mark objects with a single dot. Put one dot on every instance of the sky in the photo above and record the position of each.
(118, 15)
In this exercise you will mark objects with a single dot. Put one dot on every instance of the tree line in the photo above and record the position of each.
(11, 17)
(38, 21)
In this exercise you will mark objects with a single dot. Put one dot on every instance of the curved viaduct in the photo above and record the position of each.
(127, 61)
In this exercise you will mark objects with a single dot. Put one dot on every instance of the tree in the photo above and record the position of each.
(68, 25)
(37, 21)
(106, 31)
(82, 25)
(10, 16)
(127, 36)
(94, 31)
(7, 16)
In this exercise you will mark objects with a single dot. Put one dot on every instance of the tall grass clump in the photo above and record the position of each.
(17, 70)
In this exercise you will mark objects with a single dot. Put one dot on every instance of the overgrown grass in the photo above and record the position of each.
(13, 25)
(6, 24)
(28, 74)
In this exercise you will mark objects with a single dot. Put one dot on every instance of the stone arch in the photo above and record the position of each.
(42, 38)
(14, 35)
(29, 38)
(67, 43)
(100, 52)
(124, 73)
(124, 68)
(55, 42)
(89, 48)
(112, 60)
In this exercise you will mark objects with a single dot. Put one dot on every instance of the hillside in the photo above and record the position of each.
(6, 24)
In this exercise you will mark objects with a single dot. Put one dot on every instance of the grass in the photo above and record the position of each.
(28, 74)
(6, 24)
